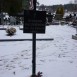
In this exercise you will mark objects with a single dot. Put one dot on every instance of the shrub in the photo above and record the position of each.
(11, 31)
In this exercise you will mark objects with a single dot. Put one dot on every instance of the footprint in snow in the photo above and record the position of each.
(42, 60)
(70, 61)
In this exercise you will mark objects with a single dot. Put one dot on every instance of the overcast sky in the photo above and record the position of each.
(54, 2)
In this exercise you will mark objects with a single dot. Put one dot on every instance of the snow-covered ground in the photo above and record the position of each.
(56, 58)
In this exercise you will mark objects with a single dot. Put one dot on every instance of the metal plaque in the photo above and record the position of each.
(34, 21)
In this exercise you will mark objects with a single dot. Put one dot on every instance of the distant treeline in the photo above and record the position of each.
(53, 8)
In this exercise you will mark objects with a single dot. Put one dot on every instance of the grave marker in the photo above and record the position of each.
(34, 21)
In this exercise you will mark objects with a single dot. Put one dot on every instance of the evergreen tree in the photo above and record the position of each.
(11, 6)
(59, 13)
(25, 4)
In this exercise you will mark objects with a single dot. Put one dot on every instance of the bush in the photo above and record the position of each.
(11, 31)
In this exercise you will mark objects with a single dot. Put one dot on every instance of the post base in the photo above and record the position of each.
(33, 76)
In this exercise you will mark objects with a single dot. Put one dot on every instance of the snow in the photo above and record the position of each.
(56, 58)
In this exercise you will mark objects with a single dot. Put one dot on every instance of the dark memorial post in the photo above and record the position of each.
(34, 22)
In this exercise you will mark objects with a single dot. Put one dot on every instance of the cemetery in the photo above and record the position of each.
(37, 43)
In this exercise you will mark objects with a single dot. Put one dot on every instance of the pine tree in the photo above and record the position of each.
(59, 13)
(11, 6)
